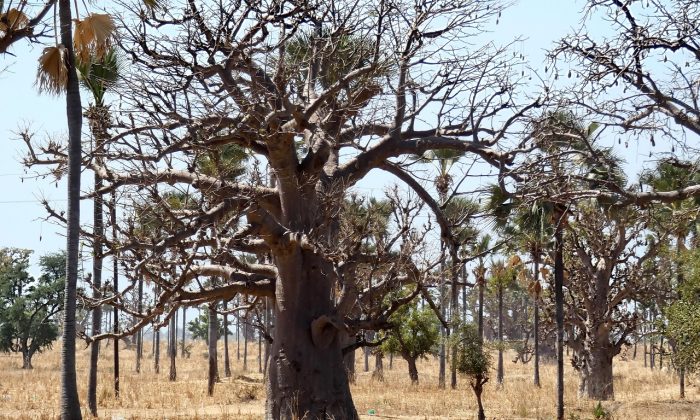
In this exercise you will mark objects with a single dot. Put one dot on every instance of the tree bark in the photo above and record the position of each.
(597, 373)
(213, 376)
(305, 373)
(27, 359)
(349, 361)
(70, 402)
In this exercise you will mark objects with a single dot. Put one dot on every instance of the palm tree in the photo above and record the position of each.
(444, 159)
(680, 217)
(529, 226)
(70, 402)
(480, 248)
(97, 75)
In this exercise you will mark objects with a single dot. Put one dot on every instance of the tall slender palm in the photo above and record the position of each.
(67, 79)
(97, 74)
(480, 248)
(444, 159)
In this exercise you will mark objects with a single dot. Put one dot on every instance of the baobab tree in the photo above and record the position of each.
(267, 79)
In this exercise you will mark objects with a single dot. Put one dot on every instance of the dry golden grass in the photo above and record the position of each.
(640, 393)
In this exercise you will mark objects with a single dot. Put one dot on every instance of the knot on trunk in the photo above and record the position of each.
(324, 329)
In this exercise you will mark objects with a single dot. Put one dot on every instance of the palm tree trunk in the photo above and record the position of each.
(227, 361)
(115, 261)
(184, 326)
(499, 376)
(454, 313)
(536, 262)
(481, 308)
(156, 339)
(98, 231)
(238, 336)
(245, 344)
(172, 346)
(70, 402)
(139, 337)
(443, 332)
(559, 310)
(212, 339)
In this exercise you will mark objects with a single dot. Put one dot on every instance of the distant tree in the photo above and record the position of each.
(199, 328)
(472, 360)
(415, 334)
(28, 306)
(684, 316)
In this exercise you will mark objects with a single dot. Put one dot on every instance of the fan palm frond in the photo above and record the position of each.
(52, 76)
(93, 36)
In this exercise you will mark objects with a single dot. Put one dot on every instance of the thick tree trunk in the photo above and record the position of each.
(412, 369)
(597, 373)
(349, 361)
(213, 376)
(70, 402)
(306, 377)
(27, 359)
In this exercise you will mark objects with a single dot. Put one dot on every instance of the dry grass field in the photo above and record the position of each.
(640, 392)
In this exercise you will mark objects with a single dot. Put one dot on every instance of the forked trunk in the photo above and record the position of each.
(306, 376)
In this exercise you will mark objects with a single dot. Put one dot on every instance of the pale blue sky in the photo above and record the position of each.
(539, 22)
